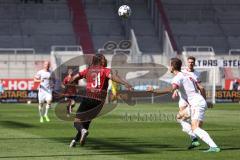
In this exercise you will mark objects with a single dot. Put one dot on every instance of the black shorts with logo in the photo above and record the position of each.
(89, 109)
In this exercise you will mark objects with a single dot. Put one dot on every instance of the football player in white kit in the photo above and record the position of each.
(183, 116)
(188, 88)
(44, 91)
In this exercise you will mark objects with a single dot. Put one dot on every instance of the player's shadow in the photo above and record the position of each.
(125, 146)
(225, 148)
(58, 139)
(55, 155)
(121, 145)
(231, 148)
(14, 124)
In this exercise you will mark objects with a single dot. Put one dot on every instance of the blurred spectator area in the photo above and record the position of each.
(38, 26)
(205, 23)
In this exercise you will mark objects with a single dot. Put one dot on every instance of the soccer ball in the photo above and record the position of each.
(124, 11)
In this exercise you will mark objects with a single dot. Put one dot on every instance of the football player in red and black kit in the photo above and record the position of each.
(97, 77)
(70, 91)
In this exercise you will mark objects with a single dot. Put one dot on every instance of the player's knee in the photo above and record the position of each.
(73, 102)
(78, 126)
(194, 126)
(178, 117)
(40, 105)
(49, 102)
(77, 120)
(48, 105)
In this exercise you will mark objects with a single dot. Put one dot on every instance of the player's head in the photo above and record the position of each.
(191, 62)
(70, 71)
(104, 61)
(175, 65)
(98, 60)
(46, 65)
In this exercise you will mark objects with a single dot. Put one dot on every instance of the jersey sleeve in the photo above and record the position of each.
(107, 72)
(194, 78)
(65, 81)
(38, 75)
(176, 81)
(83, 73)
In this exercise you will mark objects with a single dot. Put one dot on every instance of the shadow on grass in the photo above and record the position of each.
(110, 146)
(14, 124)
(225, 149)
(55, 155)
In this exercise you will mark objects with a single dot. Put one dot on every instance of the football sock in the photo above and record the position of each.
(46, 109)
(78, 126)
(78, 136)
(40, 108)
(205, 137)
(86, 124)
(186, 127)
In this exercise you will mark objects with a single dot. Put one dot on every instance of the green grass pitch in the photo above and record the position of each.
(144, 131)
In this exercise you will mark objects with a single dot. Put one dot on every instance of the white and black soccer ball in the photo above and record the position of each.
(124, 11)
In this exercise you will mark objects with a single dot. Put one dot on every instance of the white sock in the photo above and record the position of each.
(186, 127)
(46, 109)
(205, 137)
(40, 109)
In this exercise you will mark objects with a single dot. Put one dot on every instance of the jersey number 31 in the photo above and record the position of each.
(96, 80)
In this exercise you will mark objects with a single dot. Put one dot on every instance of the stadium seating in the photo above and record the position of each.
(103, 22)
(105, 25)
(37, 26)
(213, 23)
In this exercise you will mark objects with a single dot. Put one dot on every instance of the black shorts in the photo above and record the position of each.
(88, 109)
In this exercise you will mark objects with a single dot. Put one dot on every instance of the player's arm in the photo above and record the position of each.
(64, 82)
(37, 78)
(202, 90)
(77, 77)
(175, 94)
(203, 93)
(171, 89)
(118, 79)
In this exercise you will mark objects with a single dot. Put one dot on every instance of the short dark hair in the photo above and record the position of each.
(176, 64)
(192, 58)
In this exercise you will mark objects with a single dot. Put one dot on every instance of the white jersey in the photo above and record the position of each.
(194, 74)
(187, 88)
(45, 77)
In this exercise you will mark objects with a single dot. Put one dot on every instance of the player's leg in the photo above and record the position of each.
(183, 117)
(114, 89)
(83, 125)
(72, 104)
(40, 109)
(68, 106)
(197, 121)
(78, 124)
(47, 107)
(40, 105)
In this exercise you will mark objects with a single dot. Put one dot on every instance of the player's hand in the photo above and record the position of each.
(209, 105)
(149, 89)
(129, 87)
(174, 95)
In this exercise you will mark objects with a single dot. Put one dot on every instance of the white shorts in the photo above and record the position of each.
(198, 113)
(182, 103)
(198, 108)
(44, 96)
